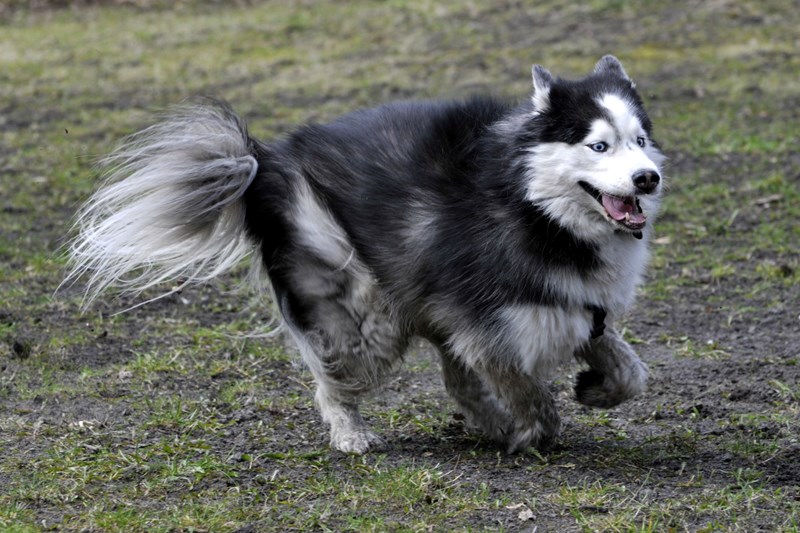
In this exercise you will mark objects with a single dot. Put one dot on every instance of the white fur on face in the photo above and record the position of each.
(556, 169)
(624, 157)
(623, 117)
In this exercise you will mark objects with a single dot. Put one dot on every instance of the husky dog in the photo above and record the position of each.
(511, 237)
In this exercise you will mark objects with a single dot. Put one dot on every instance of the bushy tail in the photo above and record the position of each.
(171, 206)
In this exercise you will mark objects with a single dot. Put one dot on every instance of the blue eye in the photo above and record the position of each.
(640, 141)
(599, 147)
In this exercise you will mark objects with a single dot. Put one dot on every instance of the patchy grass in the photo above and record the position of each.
(173, 417)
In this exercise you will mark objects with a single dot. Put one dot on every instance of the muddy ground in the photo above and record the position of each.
(719, 418)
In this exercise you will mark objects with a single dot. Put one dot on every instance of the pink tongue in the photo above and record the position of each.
(619, 208)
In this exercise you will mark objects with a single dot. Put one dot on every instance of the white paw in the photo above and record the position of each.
(358, 442)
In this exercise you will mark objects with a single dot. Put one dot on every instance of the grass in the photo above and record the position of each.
(173, 417)
(593, 506)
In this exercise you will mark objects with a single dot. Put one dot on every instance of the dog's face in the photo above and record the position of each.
(595, 168)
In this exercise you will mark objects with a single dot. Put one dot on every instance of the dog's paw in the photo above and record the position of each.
(589, 389)
(357, 442)
(492, 418)
(538, 435)
(596, 390)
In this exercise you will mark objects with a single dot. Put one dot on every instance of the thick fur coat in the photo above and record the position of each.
(512, 237)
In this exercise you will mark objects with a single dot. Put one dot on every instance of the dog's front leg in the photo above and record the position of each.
(616, 373)
(532, 407)
(475, 400)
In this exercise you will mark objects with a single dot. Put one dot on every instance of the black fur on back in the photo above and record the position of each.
(381, 170)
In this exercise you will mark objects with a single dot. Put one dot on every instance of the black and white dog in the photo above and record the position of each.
(510, 237)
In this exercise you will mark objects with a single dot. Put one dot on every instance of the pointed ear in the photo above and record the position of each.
(611, 66)
(542, 80)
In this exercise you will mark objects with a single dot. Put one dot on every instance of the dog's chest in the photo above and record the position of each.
(611, 285)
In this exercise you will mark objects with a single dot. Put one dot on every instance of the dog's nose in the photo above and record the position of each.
(646, 180)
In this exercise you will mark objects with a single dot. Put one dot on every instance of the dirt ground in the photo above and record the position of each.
(719, 418)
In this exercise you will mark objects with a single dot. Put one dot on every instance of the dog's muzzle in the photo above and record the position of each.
(626, 210)
(646, 181)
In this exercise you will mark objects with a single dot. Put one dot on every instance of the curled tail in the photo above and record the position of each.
(171, 206)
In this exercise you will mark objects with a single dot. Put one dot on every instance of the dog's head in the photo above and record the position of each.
(593, 166)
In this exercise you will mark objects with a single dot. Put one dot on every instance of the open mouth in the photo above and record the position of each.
(624, 210)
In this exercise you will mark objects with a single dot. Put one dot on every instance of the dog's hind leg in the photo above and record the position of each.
(349, 432)
(475, 400)
(344, 372)
(334, 309)
(350, 349)
(616, 373)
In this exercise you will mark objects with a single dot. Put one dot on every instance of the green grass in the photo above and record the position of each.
(180, 416)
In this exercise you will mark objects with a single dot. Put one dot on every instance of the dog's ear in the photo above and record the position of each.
(542, 80)
(610, 65)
